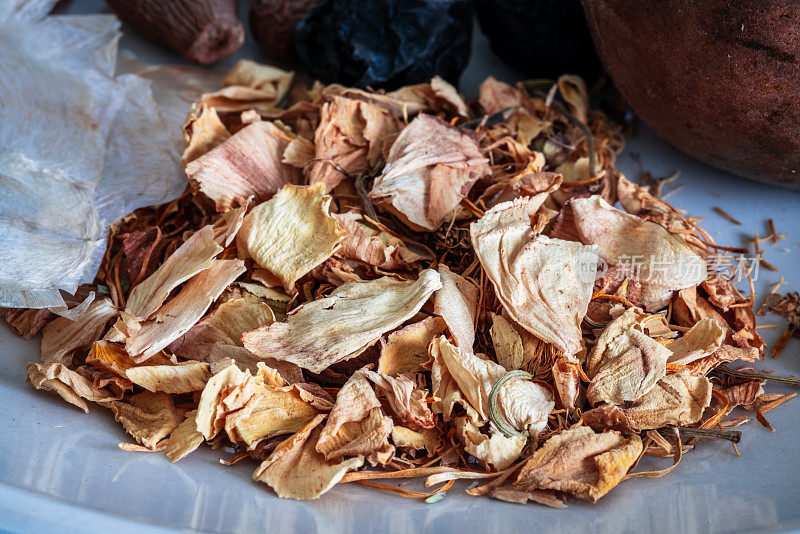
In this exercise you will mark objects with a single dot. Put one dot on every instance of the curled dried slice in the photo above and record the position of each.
(544, 284)
(239, 315)
(460, 376)
(184, 377)
(430, 168)
(373, 246)
(703, 339)
(70, 385)
(271, 81)
(625, 363)
(356, 425)
(181, 313)
(406, 399)
(295, 470)
(148, 417)
(639, 249)
(677, 399)
(62, 337)
(349, 140)
(524, 405)
(580, 462)
(250, 163)
(292, 233)
(203, 132)
(193, 256)
(405, 350)
(326, 331)
(495, 450)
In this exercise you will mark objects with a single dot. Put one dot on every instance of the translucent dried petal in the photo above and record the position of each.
(184, 439)
(249, 163)
(373, 246)
(544, 284)
(430, 168)
(62, 337)
(295, 470)
(184, 377)
(496, 451)
(203, 133)
(457, 303)
(68, 384)
(507, 342)
(525, 405)
(406, 399)
(580, 462)
(271, 81)
(329, 330)
(704, 338)
(292, 233)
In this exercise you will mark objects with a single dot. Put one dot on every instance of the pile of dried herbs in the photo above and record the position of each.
(365, 285)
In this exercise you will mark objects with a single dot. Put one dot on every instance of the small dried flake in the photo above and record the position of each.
(405, 438)
(472, 376)
(184, 377)
(177, 316)
(195, 255)
(326, 331)
(509, 493)
(148, 417)
(405, 350)
(250, 163)
(69, 385)
(373, 246)
(292, 233)
(184, 439)
(430, 168)
(580, 462)
(295, 470)
(666, 263)
(626, 363)
(349, 140)
(457, 303)
(544, 284)
(205, 131)
(62, 337)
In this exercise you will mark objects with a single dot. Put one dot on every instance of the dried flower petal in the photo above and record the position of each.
(507, 342)
(62, 337)
(271, 81)
(457, 303)
(704, 338)
(373, 246)
(580, 462)
(496, 451)
(544, 284)
(343, 324)
(292, 233)
(295, 470)
(250, 163)
(203, 132)
(184, 439)
(430, 168)
(525, 405)
(406, 399)
(148, 417)
(405, 350)
(69, 385)
(184, 377)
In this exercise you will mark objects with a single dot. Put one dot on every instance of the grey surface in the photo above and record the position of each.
(61, 470)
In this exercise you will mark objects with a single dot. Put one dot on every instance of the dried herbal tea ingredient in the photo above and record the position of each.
(360, 285)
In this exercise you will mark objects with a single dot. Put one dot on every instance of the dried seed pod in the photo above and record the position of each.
(205, 31)
(386, 43)
(273, 22)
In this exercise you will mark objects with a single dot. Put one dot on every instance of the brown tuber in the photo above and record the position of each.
(205, 31)
(273, 22)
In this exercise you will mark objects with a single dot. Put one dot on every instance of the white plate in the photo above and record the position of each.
(61, 470)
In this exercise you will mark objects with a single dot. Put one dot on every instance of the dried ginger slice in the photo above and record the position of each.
(295, 470)
(291, 233)
(544, 284)
(326, 331)
(430, 168)
(580, 462)
(249, 163)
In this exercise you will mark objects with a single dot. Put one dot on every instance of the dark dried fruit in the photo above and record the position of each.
(273, 23)
(540, 38)
(386, 43)
(205, 31)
